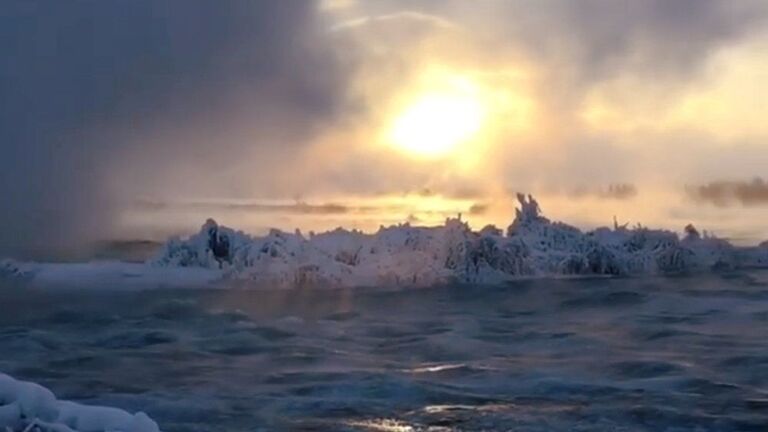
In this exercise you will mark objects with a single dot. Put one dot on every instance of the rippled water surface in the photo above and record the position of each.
(674, 354)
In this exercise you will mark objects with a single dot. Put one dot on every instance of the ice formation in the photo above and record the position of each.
(29, 407)
(532, 246)
(99, 275)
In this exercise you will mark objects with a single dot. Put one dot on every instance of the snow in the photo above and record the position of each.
(404, 255)
(26, 406)
(533, 246)
(114, 275)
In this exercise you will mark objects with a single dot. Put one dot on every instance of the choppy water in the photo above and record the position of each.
(674, 354)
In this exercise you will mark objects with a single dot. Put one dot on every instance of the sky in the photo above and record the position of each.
(141, 118)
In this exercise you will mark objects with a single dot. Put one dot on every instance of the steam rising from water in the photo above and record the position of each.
(102, 104)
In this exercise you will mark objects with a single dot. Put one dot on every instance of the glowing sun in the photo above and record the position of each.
(435, 123)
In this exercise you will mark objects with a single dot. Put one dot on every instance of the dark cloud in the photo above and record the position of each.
(82, 81)
(591, 40)
(462, 192)
(300, 207)
(619, 191)
(728, 193)
(654, 37)
(478, 209)
(614, 191)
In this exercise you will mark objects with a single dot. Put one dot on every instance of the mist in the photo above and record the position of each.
(103, 102)
(107, 105)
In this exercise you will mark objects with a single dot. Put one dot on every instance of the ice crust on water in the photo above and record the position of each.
(532, 246)
(99, 275)
(26, 406)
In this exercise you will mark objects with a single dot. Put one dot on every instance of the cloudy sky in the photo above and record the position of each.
(140, 118)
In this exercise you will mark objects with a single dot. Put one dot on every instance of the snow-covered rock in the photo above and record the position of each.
(407, 255)
(26, 406)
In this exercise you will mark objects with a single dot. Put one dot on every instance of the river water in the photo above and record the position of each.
(646, 354)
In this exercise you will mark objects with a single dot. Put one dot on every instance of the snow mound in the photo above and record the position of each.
(29, 407)
(533, 246)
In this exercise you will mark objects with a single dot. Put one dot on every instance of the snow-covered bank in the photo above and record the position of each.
(29, 407)
(113, 275)
(532, 246)
(404, 255)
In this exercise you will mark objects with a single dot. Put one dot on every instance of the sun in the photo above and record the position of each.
(435, 123)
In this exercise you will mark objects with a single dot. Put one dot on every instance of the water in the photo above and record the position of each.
(653, 354)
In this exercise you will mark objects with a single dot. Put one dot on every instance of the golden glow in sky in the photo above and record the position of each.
(456, 114)
(436, 123)
(456, 101)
